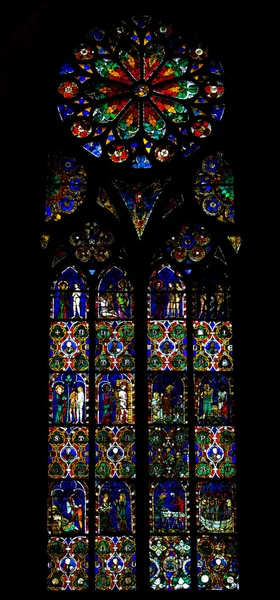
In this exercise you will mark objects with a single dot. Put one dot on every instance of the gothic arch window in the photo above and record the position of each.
(140, 255)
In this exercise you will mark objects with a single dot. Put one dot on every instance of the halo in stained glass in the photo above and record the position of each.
(214, 188)
(141, 79)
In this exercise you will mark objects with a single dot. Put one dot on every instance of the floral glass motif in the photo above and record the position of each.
(140, 200)
(68, 452)
(67, 507)
(217, 563)
(214, 188)
(114, 348)
(167, 345)
(214, 398)
(216, 506)
(167, 398)
(91, 245)
(68, 398)
(68, 564)
(115, 563)
(212, 346)
(170, 562)
(236, 241)
(69, 346)
(141, 93)
(191, 244)
(115, 295)
(69, 297)
(169, 510)
(114, 393)
(215, 452)
(115, 507)
(211, 299)
(65, 187)
(166, 294)
(115, 454)
(168, 452)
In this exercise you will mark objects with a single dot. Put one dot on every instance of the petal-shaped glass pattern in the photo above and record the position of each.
(143, 81)
(214, 188)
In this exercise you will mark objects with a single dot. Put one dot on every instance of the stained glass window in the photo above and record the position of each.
(142, 397)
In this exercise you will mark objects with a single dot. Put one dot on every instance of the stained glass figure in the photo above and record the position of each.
(67, 507)
(114, 348)
(215, 452)
(214, 188)
(236, 241)
(140, 200)
(115, 563)
(114, 393)
(146, 82)
(214, 399)
(168, 452)
(211, 299)
(191, 244)
(68, 452)
(60, 254)
(173, 203)
(115, 507)
(115, 455)
(69, 297)
(66, 185)
(68, 564)
(91, 244)
(63, 389)
(216, 506)
(104, 201)
(167, 398)
(170, 563)
(166, 294)
(167, 345)
(115, 295)
(69, 346)
(212, 346)
(169, 507)
(217, 563)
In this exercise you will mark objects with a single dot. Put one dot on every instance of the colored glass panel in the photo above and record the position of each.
(115, 563)
(166, 297)
(169, 507)
(191, 244)
(115, 455)
(173, 68)
(108, 111)
(130, 59)
(167, 345)
(65, 187)
(214, 188)
(236, 241)
(168, 452)
(114, 346)
(175, 111)
(212, 346)
(69, 298)
(68, 564)
(67, 507)
(115, 507)
(217, 563)
(153, 124)
(153, 56)
(215, 452)
(62, 387)
(216, 506)
(211, 299)
(167, 397)
(68, 450)
(110, 69)
(115, 295)
(140, 200)
(170, 563)
(104, 201)
(114, 398)
(69, 346)
(179, 89)
(214, 398)
(128, 124)
(91, 244)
